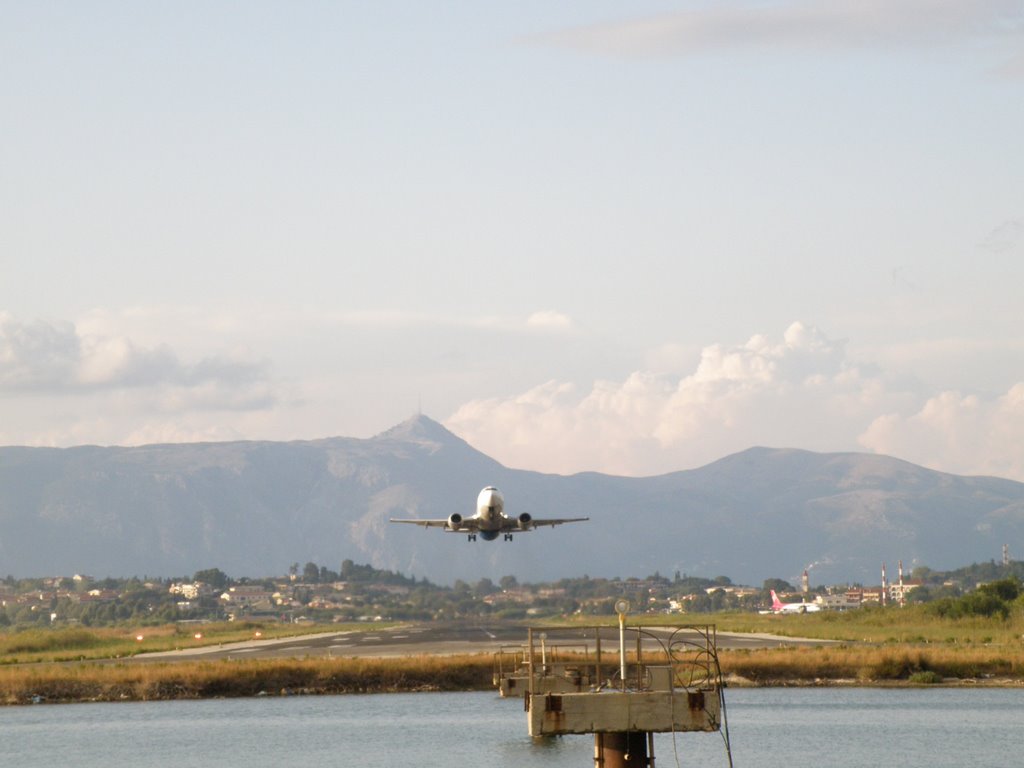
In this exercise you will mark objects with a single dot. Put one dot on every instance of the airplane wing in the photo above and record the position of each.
(469, 525)
(557, 521)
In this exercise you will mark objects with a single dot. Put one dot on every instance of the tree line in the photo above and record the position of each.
(356, 592)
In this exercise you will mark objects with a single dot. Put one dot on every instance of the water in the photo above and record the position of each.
(838, 728)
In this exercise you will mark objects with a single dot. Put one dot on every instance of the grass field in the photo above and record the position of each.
(877, 646)
(877, 625)
(82, 644)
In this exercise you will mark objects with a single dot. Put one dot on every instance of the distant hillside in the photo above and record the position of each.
(253, 508)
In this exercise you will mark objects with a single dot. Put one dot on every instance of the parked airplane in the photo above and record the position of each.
(490, 519)
(780, 607)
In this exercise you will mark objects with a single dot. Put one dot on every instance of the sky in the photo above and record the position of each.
(626, 237)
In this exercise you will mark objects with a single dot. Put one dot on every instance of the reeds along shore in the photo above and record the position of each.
(146, 681)
(869, 665)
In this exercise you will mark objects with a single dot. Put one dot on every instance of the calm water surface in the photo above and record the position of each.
(838, 728)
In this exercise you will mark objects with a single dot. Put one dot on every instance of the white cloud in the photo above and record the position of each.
(957, 433)
(36, 355)
(121, 376)
(799, 24)
(98, 382)
(119, 362)
(549, 320)
(56, 358)
(758, 392)
(802, 391)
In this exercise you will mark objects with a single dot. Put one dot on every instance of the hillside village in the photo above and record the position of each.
(362, 593)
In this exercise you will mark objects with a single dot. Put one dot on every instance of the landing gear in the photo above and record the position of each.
(471, 537)
(508, 537)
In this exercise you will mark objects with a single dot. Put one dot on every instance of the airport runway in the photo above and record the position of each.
(433, 638)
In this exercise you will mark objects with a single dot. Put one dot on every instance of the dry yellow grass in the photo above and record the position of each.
(870, 664)
(141, 681)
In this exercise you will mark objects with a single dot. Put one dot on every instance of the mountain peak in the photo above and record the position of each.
(420, 429)
(109, 510)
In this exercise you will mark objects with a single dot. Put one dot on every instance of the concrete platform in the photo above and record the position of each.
(554, 714)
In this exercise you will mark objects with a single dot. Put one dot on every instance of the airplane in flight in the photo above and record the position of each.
(490, 519)
(780, 607)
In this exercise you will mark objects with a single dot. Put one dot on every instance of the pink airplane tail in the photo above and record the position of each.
(776, 603)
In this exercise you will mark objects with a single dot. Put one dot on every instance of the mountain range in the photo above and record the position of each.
(254, 508)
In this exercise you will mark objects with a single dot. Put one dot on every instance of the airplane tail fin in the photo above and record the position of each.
(776, 603)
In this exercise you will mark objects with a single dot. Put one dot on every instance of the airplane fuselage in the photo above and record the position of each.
(490, 506)
(490, 514)
(802, 607)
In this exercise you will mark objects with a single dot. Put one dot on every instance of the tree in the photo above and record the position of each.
(311, 573)
(1005, 589)
(991, 600)
(215, 577)
(484, 587)
(167, 612)
(779, 585)
(920, 595)
(923, 574)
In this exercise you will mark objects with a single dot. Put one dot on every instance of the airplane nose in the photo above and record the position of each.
(489, 501)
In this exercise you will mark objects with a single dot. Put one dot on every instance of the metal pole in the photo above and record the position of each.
(639, 676)
(622, 608)
(622, 649)
(529, 661)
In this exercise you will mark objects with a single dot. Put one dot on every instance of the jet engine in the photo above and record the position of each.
(524, 521)
(455, 521)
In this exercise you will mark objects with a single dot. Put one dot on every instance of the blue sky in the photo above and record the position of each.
(625, 237)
